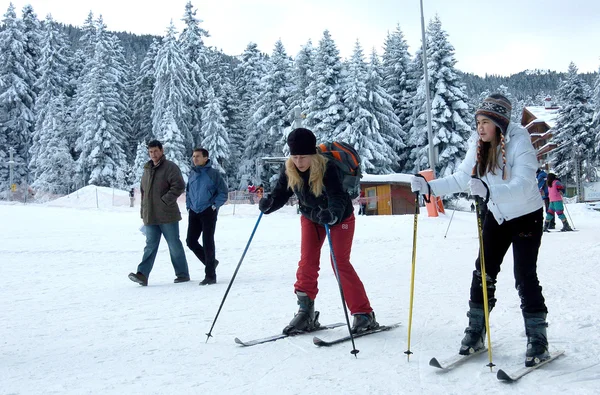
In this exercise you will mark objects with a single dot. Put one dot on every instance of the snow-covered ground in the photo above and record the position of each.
(73, 323)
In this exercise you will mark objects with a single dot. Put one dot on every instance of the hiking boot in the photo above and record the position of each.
(208, 281)
(306, 319)
(138, 278)
(537, 341)
(364, 322)
(181, 279)
(475, 332)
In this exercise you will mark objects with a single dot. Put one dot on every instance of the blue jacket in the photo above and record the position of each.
(542, 186)
(205, 188)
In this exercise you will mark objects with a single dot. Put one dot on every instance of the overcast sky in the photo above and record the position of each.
(494, 37)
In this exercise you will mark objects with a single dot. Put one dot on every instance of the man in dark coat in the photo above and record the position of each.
(162, 183)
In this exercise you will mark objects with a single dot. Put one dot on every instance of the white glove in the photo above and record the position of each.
(419, 184)
(478, 188)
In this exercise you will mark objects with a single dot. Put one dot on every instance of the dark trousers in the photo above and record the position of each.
(204, 224)
(525, 235)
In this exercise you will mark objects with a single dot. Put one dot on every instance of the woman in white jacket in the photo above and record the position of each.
(500, 166)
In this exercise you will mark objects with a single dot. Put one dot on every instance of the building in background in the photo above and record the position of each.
(539, 122)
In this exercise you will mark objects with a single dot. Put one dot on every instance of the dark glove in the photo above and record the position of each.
(265, 204)
(326, 217)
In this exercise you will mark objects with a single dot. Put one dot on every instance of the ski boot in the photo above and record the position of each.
(474, 333)
(306, 319)
(546, 226)
(537, 341)
(566, 227)
(364, 322)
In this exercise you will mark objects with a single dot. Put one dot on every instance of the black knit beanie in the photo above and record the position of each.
(497, 108)
(302, 142)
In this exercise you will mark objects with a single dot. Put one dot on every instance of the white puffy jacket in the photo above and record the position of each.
(511, 198)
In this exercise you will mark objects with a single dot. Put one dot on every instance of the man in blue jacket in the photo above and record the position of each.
(206, 191)
(543, 187)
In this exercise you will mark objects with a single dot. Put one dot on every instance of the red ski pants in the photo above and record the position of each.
(313, 237)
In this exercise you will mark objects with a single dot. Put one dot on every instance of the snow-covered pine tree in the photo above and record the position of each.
(102, 160)
(449, 109)
(216, 140)
(123, 73)
(142, 99)
(248, 75)
(141, 158)
(17, 117)
(32, 32)
(362, 129)
(52, 82)
(301, 76)
(396, 61)
(81, 69)
(390, 128)
(230, 106)
(171, 90)
(194, 53)
(173, 142)
(573, 132)
(417, 158)
(270, 113)
(324, 101)
(596, 119)
(269, 124)
(55, 166)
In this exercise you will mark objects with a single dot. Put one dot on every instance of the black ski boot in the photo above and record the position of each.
(364, 322)
(546, 226)
(537, 341)
(552, 224)
(474, 333)
(566, 227)
(307, 319)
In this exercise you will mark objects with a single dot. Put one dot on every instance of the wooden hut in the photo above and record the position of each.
(388, 194)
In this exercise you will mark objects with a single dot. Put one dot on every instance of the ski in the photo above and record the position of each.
(452, 362)
(324, 343)
(517, 374)
(283, 335)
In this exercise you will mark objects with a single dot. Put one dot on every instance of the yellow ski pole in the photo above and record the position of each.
(414, 260)
(478, 202)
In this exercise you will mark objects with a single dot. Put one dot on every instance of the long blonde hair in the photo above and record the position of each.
(318, 164)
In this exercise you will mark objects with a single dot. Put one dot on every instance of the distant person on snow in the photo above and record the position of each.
(504, 164)
(542, 178)
(206, 192)
(162, 183)
(131, 197)
(555, 190)
(317, 184)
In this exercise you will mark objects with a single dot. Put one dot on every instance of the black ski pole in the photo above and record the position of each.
(209, 334)
(337, 277)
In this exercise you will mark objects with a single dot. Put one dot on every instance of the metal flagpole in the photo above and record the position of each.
(427, 95)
